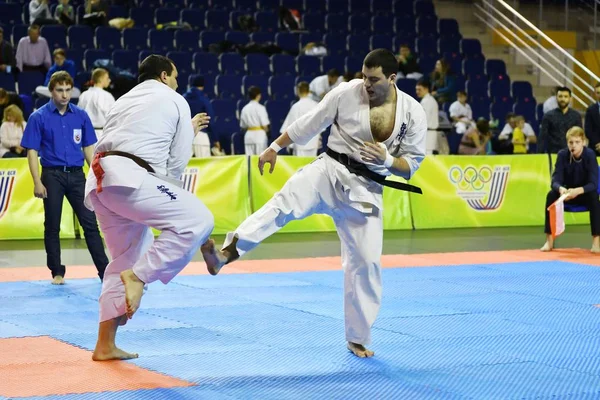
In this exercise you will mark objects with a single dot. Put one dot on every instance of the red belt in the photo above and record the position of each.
(99, 172)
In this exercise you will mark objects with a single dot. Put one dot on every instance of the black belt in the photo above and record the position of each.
(361, 169)
(64, 168)
(142, 163)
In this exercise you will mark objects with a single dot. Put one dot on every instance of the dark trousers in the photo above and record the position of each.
(588, 200)
(59, 184)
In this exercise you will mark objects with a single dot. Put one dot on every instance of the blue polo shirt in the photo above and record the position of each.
(59, 139)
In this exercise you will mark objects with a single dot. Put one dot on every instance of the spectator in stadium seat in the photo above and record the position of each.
(475, 140)
(200, 103)
(7, 54)
(96, 13)
(575, 173)
(8, 99)
(96, 101)
(254, 120)
(505, 139)
(11, 133)
(60, 64)
(39, 13)
(321, 85)
(436, 142)
(443, 82)
(519, 139)
(461, 113)
(33, 53)
(407, 64)
(592, 122)
(557, 122)
(64, 13)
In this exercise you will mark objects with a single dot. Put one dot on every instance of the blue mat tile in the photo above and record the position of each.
(188, 393)
(25, 289)
(239, 281)
(430, 288)
(542, 267)
(188, 297)
(8, 330)
(43, 304)
(283, 294)
(573, 319)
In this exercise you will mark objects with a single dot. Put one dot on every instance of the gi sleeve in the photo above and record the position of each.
(181, 147)
(412, 145)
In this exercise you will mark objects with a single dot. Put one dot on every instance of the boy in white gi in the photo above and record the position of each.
(376, 131)
(461, 113)
(321, 85)
(96, 101)
(134, 184)
(255, 120)
(300, 108)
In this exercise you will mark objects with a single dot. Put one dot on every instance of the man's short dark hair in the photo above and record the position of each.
(253, 92)
(153, 66)
(333, 73)
(60, 77)
(461, 93)
(483, 126)
(424, 83)
(382, 58)
(563, 89)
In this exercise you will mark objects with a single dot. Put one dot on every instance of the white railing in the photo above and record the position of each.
(494, 17)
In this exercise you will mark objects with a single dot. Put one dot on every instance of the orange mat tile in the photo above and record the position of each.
(581, 256)
(43, 366)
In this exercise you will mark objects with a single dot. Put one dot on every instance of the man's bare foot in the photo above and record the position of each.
(215, 260)
(595, 249)
(359, 350)
(549, 245)
(112, 354)
(58, 280)
(134, 288)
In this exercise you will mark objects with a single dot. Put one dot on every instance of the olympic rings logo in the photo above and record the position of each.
(470, 178)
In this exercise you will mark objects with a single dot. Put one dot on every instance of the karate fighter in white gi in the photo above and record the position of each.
(374, 126)
(134, 184)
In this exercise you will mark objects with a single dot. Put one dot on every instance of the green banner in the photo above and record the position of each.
(474, 191)
(22, 214)
(396, 214)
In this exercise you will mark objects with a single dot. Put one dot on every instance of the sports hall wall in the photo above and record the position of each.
(458, 191)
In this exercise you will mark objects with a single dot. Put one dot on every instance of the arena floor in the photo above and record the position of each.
(466, 313)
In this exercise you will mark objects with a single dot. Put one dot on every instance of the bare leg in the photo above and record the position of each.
(549, 245)
(215, 260)
(134, 288)
(359, 350)
(595, 244)
(58, 280)
(106, 348)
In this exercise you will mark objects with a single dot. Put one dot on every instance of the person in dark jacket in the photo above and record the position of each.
(557, 122)
(592, 122)
(200, 103)
(576, 174)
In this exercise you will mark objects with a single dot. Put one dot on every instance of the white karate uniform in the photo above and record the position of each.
(466, 122)
(326, 186)
(201, 145)
(97, 103)
(507, 130)
(300, 108)
(152, 122)
(435, 139)
(253, 117)
(319, 86)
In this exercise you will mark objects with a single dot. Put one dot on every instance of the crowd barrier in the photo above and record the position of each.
(458, 191)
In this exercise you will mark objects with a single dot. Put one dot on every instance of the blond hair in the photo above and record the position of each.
(576, 131)
(519, 118)
(98, 74)
(16, 113)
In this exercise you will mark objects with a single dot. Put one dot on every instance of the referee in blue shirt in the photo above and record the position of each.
(57, 132)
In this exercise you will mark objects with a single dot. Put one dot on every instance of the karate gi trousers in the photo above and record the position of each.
(255, 142)
(323, 187)
(125, 216)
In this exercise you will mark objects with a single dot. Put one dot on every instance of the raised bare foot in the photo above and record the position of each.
(58, 280)
(112, 354)
(134, 288)
(215, 260)
(359, 350)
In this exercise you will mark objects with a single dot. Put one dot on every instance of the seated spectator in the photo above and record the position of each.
(461, 113)
(443, 82)
(8, 99)
(475, 141)
(519, 140)
(96, 101)
(11, 133)
(321, 85)
(407, 64)
(254, 120)
(33, 53)
(504, 143)
(7, 54)
(64, 13)
(60, 64)
(575, 174)
(96, 13)
(39, 13)
(314, 49)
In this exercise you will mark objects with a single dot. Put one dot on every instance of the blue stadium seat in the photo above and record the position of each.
(330, 62)
(289, 42)
(314, 21)
(241, 103)
(166, 15)
(217, 20)
(277, 111)
(306, 38)
(80, 37)
(108, 38)
(10, 14)
(116, 11)
(232, 64)
(258, 64)
(187, 40)
(407, 86)
(471, 48)
(304, 78)
(18, 32)
(29, 80)
(353, 64)
(267, 21)
(261, 82)
(494, 68)
(234, 17)
(382, 23)
(405, 26)
(448, 28)
(359, 7)
(27, 105)
(221, 4)
(268, 5)
(454, 59)
(40, 102)
(450, 45)
(206, 63)
(480, 107)
(183, 61)
(194, 17)
(282, 88)
(427, 26)
(473, 67)
(245, 5)
(359, 24)
(229, 86)
(223, 108)
(358, 45)
(283, 64)
(160, 39)
(308, 65)
(526, 108)
(199, 5)
(427, 63)
(143, 17)
(424, 7)
(7, 82)
(81, 79)
(381, 42)
(262, 37)
(477, 86)
(126, 59)
(521, 90)
(500, 87)
(336, 24)
(145, 53)
(135, 39)
(55, 35)
(426, 47)
(209, 85)
(240, 38)
(336, 6)
(539, 111)
(209, 37)
(500, 107)
(335, 43)
(91, 55)
(382, 7)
